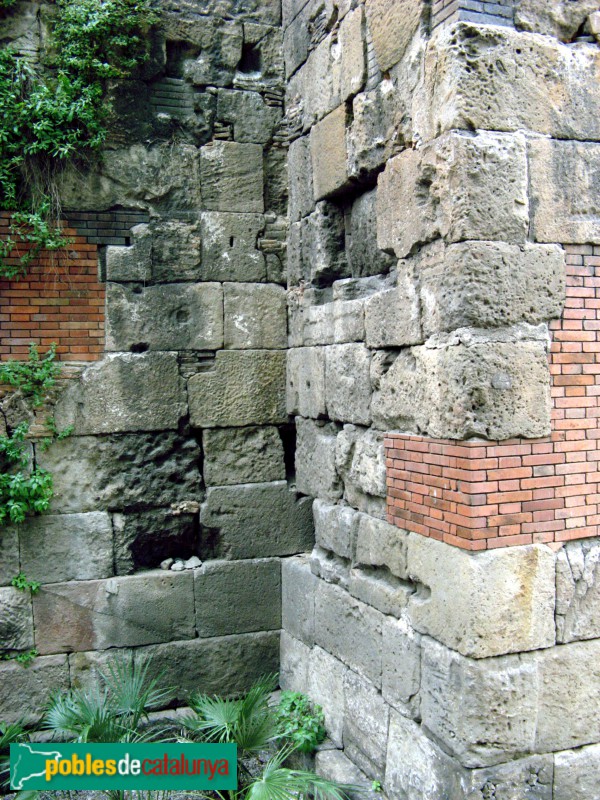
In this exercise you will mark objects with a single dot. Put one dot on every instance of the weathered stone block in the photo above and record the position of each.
(337, 322)
(326, 687)
(242, 455)
(124, 392)
(237, 597)
(458, 187)
(335, 766)
(134, 471)
(165, 317)
(484, 711)
(525, 778)
(231, 177)
(564, 191)
(489, 284)
(360, 460)
(255, 316)
(364, 257)
(569, 689)
(24, 693)
(330, 567)
(323, 250)
(216, 399)
(229, 247)
(293, 667)
(70, 547)
(489, 77)
(328, 152)
(470, 386)
(306, 381)
(416, 767)
(300, 179)
(316, 472)
(562, 19)
(401, 674)
(336, 528)
(578, 591)
(176, 251)
(132, 263)
(392, 317)
(16, 620)
(252, 119)
(350, 630)
(393, 24)
(255, 521)
(348, 383)
(576, 773)
(9, 554)
(366, 717)
(298, 587)
(86, 669)
(380, 589)
(353, 69)
(380, 544)
(145, 539)
(380, 125)
(95, 615)
(502, 601)
(221, 46)
(226, 665)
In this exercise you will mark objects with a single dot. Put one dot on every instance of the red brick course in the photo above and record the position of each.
(60, 299)
(480, 495)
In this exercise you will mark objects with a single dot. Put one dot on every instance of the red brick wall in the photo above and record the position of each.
(480, 495)
(60, 299)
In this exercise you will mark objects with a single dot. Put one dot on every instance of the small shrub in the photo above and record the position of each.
(23, 490)
(33, 377)
(301, 723)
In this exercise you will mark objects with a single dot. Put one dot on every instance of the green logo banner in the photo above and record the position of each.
(122, 766)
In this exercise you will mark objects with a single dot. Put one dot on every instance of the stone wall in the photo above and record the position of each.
(181, 444)
(430, 214)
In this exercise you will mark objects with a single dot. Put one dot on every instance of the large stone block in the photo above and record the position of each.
(392, 317)
(348, 383)
(306, 381)
(326, 677)
(393, 24)
(132, 471)
(576, 774)
(459, 187)
(364, 257)
(298, 587)
(221, 47)
(300, 178)
(360, 460)
(565, 191)
(380, 589)
(349, 630)
(323, 257)
(143, 540)
(245, 387)
(229, 246)
(330, 567)
(225, 665)
(401, 676)
(164, 317)
(255, 316)
(118, 612)
(328, 152)
(237, 597)
(132, 263)
(316, 472)
(335, 766)
(562, 18)
(293, 666)
(470, 386)
(522, 779)
(176, 251)
(353, 68)
(185, 12)
(336, 528)
(488, 284)
(482, 604)
(255, 521)
(336, 322)
(380, 544)
(489, 77)
(416, 767)
(366, 718)
(124, 392)
(569, 690)
(242, 455)
(485, 710)
(252, 119)
(578, 591)
(16, 620)
(9, 554)
(231, 177)
(24, 692)
(86, 669)
(70, 547)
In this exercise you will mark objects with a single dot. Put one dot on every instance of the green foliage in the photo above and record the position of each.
(9, 734)
(23, 490)
(33, 377)
(25, 658)
(56, 435)
(300, 723)
(22, 582)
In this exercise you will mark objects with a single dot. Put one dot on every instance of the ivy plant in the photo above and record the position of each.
(301, 723)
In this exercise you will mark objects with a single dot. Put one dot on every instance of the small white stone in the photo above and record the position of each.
(178, 566)
(192, 563)
(167, 563)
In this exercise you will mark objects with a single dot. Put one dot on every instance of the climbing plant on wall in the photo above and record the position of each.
(59, 113)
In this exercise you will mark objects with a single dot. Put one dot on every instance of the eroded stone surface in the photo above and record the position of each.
(24, 692)
(242, 455)
(16, 620)
(578, 591)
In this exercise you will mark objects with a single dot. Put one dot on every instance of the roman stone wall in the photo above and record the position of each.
(442, 296)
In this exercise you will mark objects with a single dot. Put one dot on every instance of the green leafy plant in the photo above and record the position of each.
(33, 377)
(301, 723)
(25, 658)
(10, 733)
(23, 489)
(22, 582)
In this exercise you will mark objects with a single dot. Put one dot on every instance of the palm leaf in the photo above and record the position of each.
(280, 783)
(216, 717)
